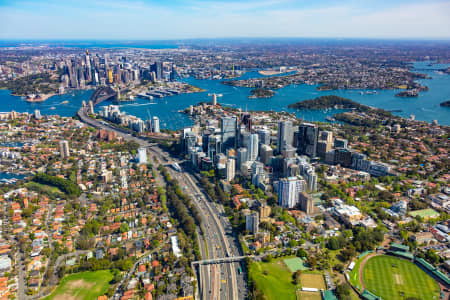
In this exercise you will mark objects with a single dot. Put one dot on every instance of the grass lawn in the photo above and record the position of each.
(43, 188)
(313, 281)
(425, 213)
(389, 277)
(354, 274)
(308, 295)
(82, 286)
(277, 284)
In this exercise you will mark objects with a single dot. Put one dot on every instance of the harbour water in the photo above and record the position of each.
(6, 177)
(425, 107)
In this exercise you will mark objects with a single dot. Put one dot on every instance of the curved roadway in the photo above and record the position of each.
(219, 281)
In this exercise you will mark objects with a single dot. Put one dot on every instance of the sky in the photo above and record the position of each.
(187, 19)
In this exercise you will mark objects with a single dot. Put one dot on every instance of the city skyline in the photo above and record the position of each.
(186, 19)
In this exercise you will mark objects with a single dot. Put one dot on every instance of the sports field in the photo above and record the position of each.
(82, 286)
(308, 295)
(294, 264)
(277, 284)
(354, 274)
(426, 213)
(313, 281)
(394, 278)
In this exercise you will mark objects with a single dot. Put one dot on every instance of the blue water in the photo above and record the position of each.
(8, 176)
(92, 44)
(426, 107)
(11, 144)
(75, 98)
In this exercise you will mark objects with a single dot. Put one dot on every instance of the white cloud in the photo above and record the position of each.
(121, 19)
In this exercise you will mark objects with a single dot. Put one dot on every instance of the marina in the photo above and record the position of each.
(426, 107)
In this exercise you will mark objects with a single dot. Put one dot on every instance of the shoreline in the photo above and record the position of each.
(271, 72)
(41, 98)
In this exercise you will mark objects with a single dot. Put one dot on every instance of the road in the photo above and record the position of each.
(216, 281)
(121, 286)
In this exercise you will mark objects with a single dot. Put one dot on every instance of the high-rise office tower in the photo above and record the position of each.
(37, 114)
(340, 143)
(306, 203)
(173, 73)
(110, 76)
(214, 99)
(157, 67)
(252, 222)
(306, 139)
(246, 120)
(264, 212)
(325, 143)
(343, 157)
(241, 157)
(231, 169)
(228, 127)
(155, 124)
(242, 136)
(106, 57)
(264, 136)
(142, 156)
(285, 134)
(252, 146)
(266, 154)
(64, 149)
(288, 191)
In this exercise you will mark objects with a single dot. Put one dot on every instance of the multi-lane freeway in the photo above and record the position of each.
(216, 281)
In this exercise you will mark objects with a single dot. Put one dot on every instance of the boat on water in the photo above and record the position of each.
(371, 92)
(330, 118)
(52, 108)
(65, 102)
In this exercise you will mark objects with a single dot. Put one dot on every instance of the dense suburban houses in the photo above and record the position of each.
(237, 204)
(89, 200)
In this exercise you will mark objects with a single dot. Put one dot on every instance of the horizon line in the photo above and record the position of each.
(221, 38)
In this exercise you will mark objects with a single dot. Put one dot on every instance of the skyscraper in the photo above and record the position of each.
(246, 120)
(288, 191)
(241, 157)
(157, 67)
(228, 127)
(252, 146)
(142, 156)
(325, 143)
(266, 154)
(155, 124)
(285, 134)
(264, 136)
(64, 149)
(110, 76)
(173, 73)
(340, 143)
(231, 169)
(306, 139)
(252, 222)
(37, 114)
(306, 203)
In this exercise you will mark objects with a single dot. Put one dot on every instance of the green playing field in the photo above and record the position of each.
(294, 264)
(394, 278)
